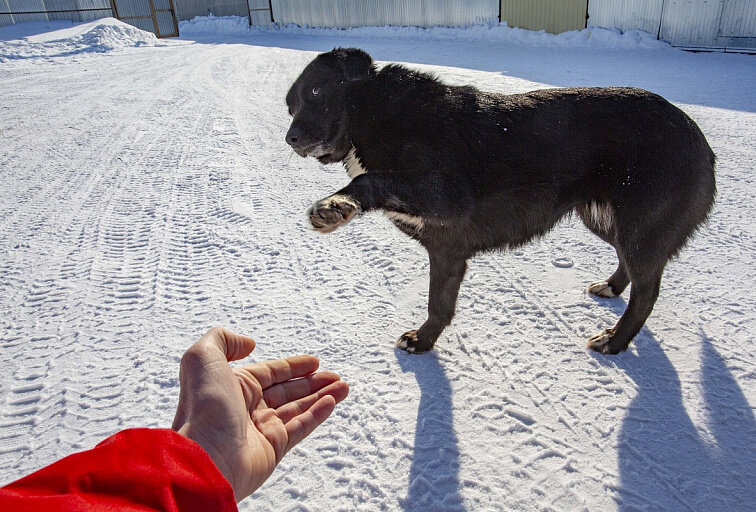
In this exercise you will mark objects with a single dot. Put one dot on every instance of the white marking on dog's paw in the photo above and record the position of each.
(602, 289)
(332, 212)
(600, 342)
(405, 339)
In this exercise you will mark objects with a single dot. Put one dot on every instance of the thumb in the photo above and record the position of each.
(233, 346)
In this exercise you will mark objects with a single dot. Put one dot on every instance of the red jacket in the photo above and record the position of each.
(135, 470)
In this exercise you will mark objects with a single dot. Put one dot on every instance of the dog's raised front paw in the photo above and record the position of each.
(332, 212)
(410, 342)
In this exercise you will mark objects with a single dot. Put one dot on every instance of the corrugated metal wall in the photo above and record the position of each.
(357, 13)
(739, 19)
(188, 9)
(738, 26)
(137, 13)
(626, 14)
(259, 12)
(164, 16)
(691, 23)
(140, 14)
(43, 10)
(705, 24)
(553, 16)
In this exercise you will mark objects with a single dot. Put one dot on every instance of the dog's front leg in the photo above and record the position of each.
(447, 270)
(403, 192)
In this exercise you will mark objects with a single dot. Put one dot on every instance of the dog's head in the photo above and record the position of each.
(317, 102)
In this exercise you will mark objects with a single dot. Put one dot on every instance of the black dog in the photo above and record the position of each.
(464, 171)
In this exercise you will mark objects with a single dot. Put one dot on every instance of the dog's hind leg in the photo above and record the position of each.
(643, 252)
(599, 218)
(446, 274)
(643, 295)
(612, 286)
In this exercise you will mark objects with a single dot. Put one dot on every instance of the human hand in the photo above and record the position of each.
(247, 418)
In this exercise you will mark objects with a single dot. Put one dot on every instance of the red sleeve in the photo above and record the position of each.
(134, 470)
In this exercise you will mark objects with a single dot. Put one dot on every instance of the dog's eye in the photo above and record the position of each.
(315, 91)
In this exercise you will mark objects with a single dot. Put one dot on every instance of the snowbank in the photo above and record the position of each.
(593, 37)
(49, 39)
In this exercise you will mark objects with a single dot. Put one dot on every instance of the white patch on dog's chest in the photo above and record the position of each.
(353, 165)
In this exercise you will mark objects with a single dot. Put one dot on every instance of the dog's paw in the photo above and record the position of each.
(332, 212)
(410, 342)
(601, 289)
(605, 342)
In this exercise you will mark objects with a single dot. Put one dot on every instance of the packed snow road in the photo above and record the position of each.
(148, 194)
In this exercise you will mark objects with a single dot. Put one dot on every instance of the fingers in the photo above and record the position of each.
(269, 373)
(338, 390)
(302, 426)
(280, 394)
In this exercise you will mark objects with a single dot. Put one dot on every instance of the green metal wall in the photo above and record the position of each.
(553, 16)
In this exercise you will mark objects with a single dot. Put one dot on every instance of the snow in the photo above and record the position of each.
(53, 39)
(590, 37)
(148, 194)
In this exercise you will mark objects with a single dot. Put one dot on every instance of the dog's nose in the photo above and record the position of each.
(293, 136)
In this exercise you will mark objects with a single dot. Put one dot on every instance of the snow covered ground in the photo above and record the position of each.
(147, 194)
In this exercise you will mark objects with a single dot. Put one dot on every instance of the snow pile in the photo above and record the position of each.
(114, 34)
(592, 37)
(62, 38)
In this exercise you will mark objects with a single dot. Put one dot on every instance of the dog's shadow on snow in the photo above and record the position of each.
(668, 462)
(434, 473)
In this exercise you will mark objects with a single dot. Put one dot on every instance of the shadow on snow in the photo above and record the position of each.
(665, 460)
(434, 473)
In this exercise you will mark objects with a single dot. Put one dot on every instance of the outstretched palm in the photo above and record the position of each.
(248, 418)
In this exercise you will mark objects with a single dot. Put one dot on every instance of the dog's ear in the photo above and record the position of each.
(354, 63)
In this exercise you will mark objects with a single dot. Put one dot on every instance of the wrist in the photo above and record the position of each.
(210, 448)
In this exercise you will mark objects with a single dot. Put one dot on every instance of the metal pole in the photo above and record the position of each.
(661, 19)
(154, 18)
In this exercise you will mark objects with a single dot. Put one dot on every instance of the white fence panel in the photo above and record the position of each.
(626, 14)
(691, 23)
(737, 28)
(358, 13)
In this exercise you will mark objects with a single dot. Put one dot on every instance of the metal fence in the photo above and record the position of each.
(553, 16)
(19, 11)
(156, 16)
(692, 24)
(354, 13)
